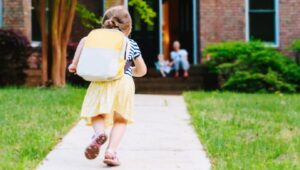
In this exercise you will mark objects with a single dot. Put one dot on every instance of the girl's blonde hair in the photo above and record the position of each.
(117, 17)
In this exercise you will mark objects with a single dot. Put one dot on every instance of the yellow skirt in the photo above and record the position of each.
(106, 98)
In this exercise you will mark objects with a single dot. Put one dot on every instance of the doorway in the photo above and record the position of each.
(175, 21)
(147, 36)
(178, 25)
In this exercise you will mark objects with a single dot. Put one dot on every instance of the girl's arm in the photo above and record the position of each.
(73, 65)
(140, 68)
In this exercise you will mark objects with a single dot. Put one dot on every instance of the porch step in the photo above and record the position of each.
(194, 71)
(33, 77)
(158, 85)
(153, 83)
(200, 79)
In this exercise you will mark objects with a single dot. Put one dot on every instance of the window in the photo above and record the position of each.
(263, 21)
(35, 26)
(0, 13)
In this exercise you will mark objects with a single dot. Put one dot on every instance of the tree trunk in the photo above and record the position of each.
(43, 26)
(55, 44)
(65, 36)
(62, 17)
(63, 13)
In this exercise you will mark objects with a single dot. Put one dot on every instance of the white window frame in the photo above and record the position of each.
(1, 14)
(33, 42)
(126, 4)
(276, 44)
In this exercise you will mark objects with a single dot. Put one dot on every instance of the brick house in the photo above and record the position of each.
(195, 23)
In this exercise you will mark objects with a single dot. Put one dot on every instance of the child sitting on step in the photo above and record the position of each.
(163, 66)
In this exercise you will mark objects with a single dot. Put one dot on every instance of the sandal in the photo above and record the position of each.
(111, 159)
(92, 151)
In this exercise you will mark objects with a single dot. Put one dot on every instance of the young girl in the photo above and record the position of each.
(164, 66)
(111, 103)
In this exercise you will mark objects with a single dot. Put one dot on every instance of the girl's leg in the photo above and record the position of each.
(116, 136)
(117, 132)
(98, 124)
(92, 151)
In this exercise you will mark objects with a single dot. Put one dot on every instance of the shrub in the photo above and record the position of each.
(296, 49)
(296, 45)
(14, 50)
(253, 67)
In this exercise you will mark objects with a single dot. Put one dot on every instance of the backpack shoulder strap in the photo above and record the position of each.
(128, 46)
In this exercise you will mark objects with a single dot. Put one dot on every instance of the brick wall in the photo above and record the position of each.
(289, 23)
(225, 20)
(17, 16)
(221, 20)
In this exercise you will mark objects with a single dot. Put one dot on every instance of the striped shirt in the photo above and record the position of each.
(134, 53)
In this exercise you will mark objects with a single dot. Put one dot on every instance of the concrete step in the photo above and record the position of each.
(194, 71)
(158, 85)
(170, 80)
(199, 79)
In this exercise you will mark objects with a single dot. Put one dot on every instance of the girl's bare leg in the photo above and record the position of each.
(92, 151)
(98, 124)
(117, 132)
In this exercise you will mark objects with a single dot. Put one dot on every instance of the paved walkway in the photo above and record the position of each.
(160, 139)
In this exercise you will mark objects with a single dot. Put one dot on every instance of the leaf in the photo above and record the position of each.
(147, 14)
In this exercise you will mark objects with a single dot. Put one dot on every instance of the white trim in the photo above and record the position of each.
(1, 20)
(277, 23)
(160, 25)
(36, 43)
(195, 38)
(126, 4)
(276, 26)
(103, 6)
(247, 30)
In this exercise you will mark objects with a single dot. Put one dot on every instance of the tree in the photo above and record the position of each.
(61, 18)
(55, 32)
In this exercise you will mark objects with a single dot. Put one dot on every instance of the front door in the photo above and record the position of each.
(178, 26)
(178, 23)
(145, 35)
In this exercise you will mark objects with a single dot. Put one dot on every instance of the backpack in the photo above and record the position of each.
(103, 57)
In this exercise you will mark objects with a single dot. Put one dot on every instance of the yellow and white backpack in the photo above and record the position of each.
(103, 56)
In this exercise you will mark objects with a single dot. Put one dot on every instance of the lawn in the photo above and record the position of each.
(32, 121)
(247, 131)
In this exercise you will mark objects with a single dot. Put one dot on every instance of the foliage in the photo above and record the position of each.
(88, 18)
(147, 14)
(14, 50)
(254, 82)
(296, 45)
(32, 121)
(247, 131)
(253, 67)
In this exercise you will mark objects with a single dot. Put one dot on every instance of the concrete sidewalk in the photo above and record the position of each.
(160, 139)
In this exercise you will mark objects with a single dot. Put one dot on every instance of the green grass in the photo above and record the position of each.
(32, 121)
(248, 131)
